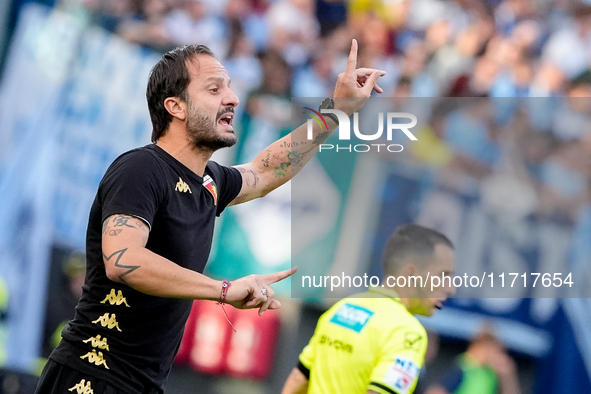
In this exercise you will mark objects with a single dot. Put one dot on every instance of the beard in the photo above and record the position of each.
(202, 130)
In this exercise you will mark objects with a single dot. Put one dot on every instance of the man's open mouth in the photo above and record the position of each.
(226, 119)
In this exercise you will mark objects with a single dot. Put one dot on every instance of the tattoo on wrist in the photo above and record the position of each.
(321, 138)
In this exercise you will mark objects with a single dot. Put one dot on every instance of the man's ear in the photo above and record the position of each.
(176, 107)
(409, 269)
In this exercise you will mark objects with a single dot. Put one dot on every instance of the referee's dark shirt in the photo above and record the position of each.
(120, 335)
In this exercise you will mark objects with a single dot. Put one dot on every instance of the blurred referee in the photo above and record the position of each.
(371, 342)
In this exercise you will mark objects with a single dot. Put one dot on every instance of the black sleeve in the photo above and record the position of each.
(229, 183)
(304, 370)
(132, 186)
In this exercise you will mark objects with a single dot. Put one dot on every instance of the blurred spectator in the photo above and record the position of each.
(148, 29)
(468, 133)
(331, 14)
(192, 22)
(564, 178)
(376, 44)
(264, 118)
(430, 148)
(581, 250)
(110, 13)
(61, 304)
(315, 79)
(392, 13)
(430, 357)
(485, 368)
(293, 29)
(451, 65)
(500, 48)
(243, 66)
(569, 48)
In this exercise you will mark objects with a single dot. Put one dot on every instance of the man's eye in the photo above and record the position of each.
(215, 90)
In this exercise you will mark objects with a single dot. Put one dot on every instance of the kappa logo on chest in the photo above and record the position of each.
(181, 186)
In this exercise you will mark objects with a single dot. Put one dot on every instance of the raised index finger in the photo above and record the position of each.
(352, 62)
(277, 276)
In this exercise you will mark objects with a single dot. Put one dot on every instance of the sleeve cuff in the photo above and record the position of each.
(304, 370)
(380, 388)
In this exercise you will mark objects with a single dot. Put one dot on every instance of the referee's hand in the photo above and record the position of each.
(254, 291)
(355, 85)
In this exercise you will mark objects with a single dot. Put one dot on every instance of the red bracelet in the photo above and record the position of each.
(225, 286)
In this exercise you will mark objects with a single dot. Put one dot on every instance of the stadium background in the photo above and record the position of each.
(72, 98)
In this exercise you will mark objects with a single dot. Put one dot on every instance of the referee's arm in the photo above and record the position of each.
(297, 382)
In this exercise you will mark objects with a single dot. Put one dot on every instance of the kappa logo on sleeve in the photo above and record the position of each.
(402, 374)
(352, 316)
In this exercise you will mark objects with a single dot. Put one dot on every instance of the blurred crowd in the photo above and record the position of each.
(538, 150)
(429, 48)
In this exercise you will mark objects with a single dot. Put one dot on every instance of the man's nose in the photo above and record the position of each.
(231, 100)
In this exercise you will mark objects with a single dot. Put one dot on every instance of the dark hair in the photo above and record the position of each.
(410, 240)
(170, 78)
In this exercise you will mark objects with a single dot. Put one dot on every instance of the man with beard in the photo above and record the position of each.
(151, 227)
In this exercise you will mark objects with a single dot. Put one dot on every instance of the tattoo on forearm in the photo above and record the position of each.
(291, 144)
(114, 233)
(295, 157)
(267, 158)
(281, 171)
(129, 268)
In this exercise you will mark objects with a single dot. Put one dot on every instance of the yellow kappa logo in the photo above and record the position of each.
(182, 187)
(98, 342)
(95, 358)
(108, 321)
(115, 299)
(82, 388)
